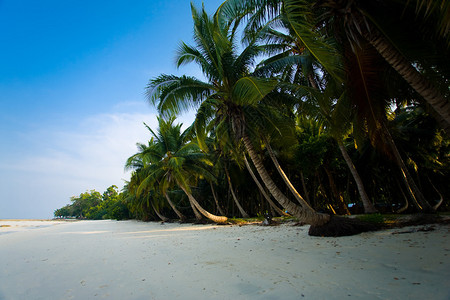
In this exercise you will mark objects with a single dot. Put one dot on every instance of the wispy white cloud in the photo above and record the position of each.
(61, 162)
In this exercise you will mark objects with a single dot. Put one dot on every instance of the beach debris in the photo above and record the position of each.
(421, 229)
(341, 226)
(267, 220)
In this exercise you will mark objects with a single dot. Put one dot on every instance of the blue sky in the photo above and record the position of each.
(72, 80)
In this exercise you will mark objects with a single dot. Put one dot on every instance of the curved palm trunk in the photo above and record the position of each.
(163, 218)
(305, 190)
(404, 207)
(343, 210)
(215, 199)
(417, 196)
(441, 200)
(179, 214)
(305, 214)
(261, 189)
(286, 179)
(368, 206)
(198, 215)
(421, 85)
(241, 209)
(214, 218)
(273, 206)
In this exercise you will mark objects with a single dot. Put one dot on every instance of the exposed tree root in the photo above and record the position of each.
(339, 226)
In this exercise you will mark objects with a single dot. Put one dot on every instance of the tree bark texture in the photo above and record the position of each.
(418, 82)
(343, 210)
(216, 200)
(163, 218)
(416, 195)
(304, 214)
(179, 214)
(286, 179)
(214, 218)
(368, 206)
(261, 189)
(236, 201)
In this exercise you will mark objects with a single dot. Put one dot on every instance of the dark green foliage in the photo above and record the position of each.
(377, 219)
(94, 206)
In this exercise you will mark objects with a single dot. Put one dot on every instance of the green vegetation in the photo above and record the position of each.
(307, 108)
(373, 218)
(94, 206)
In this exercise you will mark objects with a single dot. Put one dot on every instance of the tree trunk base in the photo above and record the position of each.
(339, 226)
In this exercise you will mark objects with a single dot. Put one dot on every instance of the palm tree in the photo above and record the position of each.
(141, 193)
(295, 64)
(176, 162)
(375, 22)
(343, 18)
(231, 96)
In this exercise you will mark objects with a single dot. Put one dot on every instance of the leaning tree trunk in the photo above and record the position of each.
(215, 199)
(179, 214)
(198, 215)
(261, 189)
(241, 210)
(343, 210)
(404, 207)
(441, 200)
(214, 218)
(418, 82)
(321, 224)
(286, 179)
(417, 196)
(368, 206)
(305, 214)
(305, 190)
(163, 218)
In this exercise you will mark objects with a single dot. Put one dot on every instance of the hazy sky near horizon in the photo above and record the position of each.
(72, 93)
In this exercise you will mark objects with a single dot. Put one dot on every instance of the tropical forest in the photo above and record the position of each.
(309, 110)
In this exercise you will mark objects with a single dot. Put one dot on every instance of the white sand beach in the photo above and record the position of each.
(136, 260)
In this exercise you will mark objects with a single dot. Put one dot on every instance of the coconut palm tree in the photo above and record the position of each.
(176, 161)
(296, 65)
(231, 95)
(383, 25)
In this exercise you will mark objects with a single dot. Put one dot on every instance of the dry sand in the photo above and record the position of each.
(136, 260)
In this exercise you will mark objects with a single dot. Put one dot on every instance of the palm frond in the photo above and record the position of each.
(250, 90)
(298, 15)
(173, 94)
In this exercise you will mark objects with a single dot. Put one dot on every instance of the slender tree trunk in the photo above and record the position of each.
(261, 189)
(214, 218)
(368, 206)
(417, 196)
(441, 200)
(297, 196)
(216, 200)
(198, 215)
(179, 214)
(343, 210)
(305, 190)
(305, 214)
(241, 210)
(418, 82)
(163, 218)
(404, 207)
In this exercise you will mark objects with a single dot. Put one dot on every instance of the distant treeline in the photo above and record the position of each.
(95, 206)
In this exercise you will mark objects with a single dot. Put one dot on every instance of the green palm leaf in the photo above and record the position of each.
(299, 16)
(250, 90)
